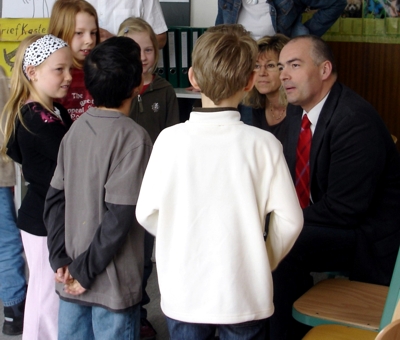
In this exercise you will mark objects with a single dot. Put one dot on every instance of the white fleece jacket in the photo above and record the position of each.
(208, 187)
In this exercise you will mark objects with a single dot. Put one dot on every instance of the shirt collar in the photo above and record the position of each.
(314, 113)
(226, 115)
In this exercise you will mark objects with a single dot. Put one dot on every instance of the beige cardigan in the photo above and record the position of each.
(7, 170)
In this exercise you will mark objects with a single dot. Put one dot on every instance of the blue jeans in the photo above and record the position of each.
(12, 263)
(328, 12)
(92, 322)
(252, 330)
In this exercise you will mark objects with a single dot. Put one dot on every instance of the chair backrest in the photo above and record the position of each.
(390, 332)
(392, 297)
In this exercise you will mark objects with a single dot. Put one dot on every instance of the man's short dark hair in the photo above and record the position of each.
(112, 70)
(320, 50)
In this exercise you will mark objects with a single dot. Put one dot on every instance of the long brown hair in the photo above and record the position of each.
(63, 20)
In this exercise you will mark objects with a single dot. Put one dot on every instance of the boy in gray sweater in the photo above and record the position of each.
(94, 240)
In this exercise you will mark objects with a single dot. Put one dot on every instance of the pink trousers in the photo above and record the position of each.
(42, 302)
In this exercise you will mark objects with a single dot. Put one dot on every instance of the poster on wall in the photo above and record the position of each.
(372, 21)
(12, 31)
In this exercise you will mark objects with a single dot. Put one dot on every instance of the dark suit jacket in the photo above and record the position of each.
(355, 179)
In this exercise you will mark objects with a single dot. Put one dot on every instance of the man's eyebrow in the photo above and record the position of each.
(293, 60)
(290, 61)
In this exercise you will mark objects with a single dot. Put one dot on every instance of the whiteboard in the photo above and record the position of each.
(26, 8)
(36, 8)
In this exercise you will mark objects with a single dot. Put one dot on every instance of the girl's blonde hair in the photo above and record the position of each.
(63, 20)
(138, 25)
(20, 91)
(266, 44)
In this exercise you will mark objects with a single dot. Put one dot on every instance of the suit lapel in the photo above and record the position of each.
(323, 121)
(293, 115)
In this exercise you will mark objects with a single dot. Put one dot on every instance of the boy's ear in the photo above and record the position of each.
(192, 79)
(31, 72)
(250, 82)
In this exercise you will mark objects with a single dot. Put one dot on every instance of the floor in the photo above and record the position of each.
(155, 316)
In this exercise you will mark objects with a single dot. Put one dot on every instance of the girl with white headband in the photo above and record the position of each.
(33, 131)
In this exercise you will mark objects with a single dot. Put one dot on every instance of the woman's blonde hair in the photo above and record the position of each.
(266, 44)
(20, 91)
(63, 20)
(138, 25)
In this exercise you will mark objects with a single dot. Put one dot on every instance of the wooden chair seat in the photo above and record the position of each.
(340, 301)
(339, 332)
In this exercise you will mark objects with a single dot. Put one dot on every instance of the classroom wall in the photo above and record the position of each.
(203, 12)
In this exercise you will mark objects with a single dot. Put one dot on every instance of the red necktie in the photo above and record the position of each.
(303, 163)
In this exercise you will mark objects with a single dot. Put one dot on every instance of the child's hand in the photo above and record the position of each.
(62, 275)
(74, 288)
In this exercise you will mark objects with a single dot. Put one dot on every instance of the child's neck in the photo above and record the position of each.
(124, 108)
(147, 78)
(48, 102)
(233, 101)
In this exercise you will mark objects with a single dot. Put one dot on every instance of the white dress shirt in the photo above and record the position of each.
(112, 13)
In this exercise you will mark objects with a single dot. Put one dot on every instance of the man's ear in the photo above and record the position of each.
(31, 72)
(326, 69)
(192, 79)
(250, 82)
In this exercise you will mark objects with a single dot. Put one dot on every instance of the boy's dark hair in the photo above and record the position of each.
(112, 70)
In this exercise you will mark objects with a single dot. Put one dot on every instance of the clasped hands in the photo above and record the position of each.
(71, 285)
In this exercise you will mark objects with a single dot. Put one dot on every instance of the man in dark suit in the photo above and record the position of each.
(351, 196)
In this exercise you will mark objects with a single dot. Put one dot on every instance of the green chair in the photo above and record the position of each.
(349, 303)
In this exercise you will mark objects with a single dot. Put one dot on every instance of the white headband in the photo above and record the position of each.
(37, 52)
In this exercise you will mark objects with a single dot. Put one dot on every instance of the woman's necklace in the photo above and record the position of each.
(281, 112)
(251, 2)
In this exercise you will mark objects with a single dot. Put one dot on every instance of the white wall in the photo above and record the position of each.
(203, 13)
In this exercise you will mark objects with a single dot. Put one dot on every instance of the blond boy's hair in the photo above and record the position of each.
(138, 25)
(266, 44)
(223, 60)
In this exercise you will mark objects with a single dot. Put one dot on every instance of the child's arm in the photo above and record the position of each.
(286, 220)
(107, 241)
(122, 188)
(54, 219)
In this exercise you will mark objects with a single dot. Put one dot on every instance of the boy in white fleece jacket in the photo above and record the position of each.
(207, 190)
